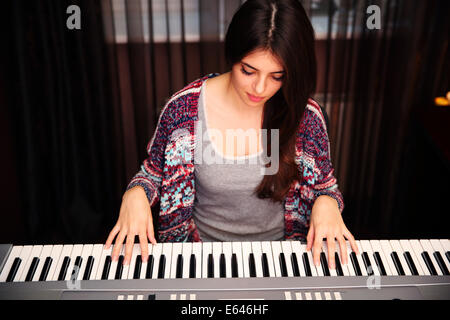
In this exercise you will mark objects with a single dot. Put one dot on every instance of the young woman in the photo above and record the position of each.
(269, 48)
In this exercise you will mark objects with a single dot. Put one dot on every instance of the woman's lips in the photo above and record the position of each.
(253, 98)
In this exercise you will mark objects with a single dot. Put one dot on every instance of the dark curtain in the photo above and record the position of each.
(79, 107)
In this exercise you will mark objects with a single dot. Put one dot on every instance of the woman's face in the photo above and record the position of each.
(259, 74)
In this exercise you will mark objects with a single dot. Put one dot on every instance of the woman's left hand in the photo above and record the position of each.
(326, 222)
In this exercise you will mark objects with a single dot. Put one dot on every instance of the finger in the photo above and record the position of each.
(151, 232)
(343, 247)
(317, 249)
(310, 238)
(129, 248)
(331, 249)
(111, 236)
(118, 245)
(352, 241)
(144, 246)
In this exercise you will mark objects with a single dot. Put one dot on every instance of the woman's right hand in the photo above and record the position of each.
(135, 218)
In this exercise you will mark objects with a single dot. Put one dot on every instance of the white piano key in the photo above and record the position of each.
(15, 253)
(298, 250)
(337, 296)
(276, 250)
(129, 274)
(246, 250)
(144, 265)
(417, 248)
(287, 295)
(387, 250)
(76, 251)
(167, 251)
(35, 252)
(85, 253)
(319, 268)
(206, 251)
(286, 248)
(333, 272)
(426, 245)
(177, 248)
(308, 295)
(351, 269)
(267, 249)
(376, 247)
(45, 252)
(237, 250)
(445, 244)
(312, 267)
(156, 252)
(317, 295)
(437, 246)
(101, 263)
(24, 256)
(341, 260)
(66, 251)
(327, 295)
(114, 264)
(396, 247)
(197, 251)
(257, 253)
(217, 251)
(362, 266)
(227, 251)
(365, 245)
(405, 244)
(186, 252)
(97, 251)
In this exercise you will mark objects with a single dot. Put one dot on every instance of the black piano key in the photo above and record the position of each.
(306, 265)
(234, 266)
(441, 263)
(88, 270)
(295, 267)
(397, 263)
(265, 265)
(32, 269)
(119, 268)
(411, 264)
(76, 268)
(162, 266)
(251, 264)
(447, 254)
(210, 266)
(283, 266)
(324, 262)
(45, 269)
(14, 268)
(355, 264)
(369, 267)
(192, 266)
(380, 263)
(179, 271)
(339, 270)
(149, 271)
(63, 271)
(106, 268)
(137, 267)
(429, 263)
(223, 268)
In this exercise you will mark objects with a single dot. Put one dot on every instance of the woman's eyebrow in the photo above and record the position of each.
(258, 70)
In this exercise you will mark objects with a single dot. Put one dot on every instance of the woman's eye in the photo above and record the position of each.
(245, 72)
(249, 73)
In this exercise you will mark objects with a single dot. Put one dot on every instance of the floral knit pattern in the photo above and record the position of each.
(167, 175)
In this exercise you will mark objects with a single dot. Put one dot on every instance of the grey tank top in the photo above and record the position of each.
(226, 207)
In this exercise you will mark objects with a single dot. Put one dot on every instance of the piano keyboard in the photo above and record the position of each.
(264, 269)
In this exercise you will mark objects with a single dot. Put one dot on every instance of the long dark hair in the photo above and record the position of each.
(283, 28)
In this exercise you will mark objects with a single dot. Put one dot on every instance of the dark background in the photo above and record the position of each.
(78, 110)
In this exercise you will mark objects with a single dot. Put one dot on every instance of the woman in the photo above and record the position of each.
(269, 48)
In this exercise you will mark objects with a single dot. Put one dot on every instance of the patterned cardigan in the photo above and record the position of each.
(168, 174)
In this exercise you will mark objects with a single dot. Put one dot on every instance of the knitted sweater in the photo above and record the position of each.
(168, 174)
